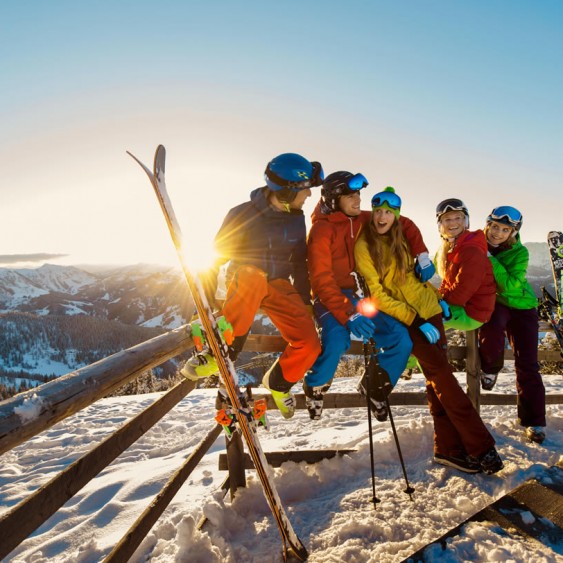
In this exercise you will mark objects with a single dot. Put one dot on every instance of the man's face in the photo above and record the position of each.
(350, 204)
(300, 198)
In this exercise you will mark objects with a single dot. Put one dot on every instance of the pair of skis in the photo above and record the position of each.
(292, 545)
(551, 307)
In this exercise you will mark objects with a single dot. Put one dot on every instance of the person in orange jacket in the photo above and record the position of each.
(337, 223)
(468, 286)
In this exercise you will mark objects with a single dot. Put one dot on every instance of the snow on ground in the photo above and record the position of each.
(328, 503)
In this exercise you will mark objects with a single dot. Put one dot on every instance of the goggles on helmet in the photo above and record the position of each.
(452, 204)
(357, 182)
(315, 180)
(392, 200)
(507, 215)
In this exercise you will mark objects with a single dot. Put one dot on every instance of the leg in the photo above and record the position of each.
(457, 425)
(491, 340)
(394, 344)
(523, 335)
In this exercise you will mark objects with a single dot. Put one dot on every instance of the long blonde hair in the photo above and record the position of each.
(442, 256)
(398, 248)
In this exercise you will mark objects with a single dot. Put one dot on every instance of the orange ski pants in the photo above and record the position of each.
(250, 290)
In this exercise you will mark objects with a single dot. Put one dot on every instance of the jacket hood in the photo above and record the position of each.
(473, 238)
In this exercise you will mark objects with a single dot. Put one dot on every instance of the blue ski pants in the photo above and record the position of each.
(391, 338)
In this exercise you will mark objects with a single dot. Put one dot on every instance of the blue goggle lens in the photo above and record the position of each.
(391, 199)
(507, 213)
(357, 182)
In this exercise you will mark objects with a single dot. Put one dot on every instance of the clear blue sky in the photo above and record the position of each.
(437, 98)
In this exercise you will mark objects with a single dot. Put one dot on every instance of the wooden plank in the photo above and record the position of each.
(355, 400)
(52, 402)
(123, 551)
(28, 515)
(541, 497)
(275, 459)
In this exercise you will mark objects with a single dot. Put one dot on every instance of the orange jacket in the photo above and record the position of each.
(330, 255)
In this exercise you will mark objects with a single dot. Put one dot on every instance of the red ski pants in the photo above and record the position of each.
(457, 425)
(249, 291)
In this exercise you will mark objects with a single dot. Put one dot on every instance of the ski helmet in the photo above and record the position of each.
(506, 215)
(389, 199)
(288, 173)
(452, 204)
(338, 184)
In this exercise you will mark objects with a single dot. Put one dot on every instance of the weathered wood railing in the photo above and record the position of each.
(28, 414)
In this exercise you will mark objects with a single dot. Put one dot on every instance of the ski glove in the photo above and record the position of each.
(446, 312)
(360, 326)
(431, 333)
(424, 269)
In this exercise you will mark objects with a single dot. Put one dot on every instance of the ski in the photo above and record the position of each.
(292, 545)
(555, 244)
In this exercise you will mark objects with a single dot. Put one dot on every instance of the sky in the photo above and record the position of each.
(436, 98)
(328, 503)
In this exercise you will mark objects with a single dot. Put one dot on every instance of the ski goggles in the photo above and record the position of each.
(316, 179)
(392, 200)
(357, 182)
(507, 215)
(452, 204)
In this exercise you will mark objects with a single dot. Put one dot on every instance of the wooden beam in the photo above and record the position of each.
(275, 459)
(30, 413)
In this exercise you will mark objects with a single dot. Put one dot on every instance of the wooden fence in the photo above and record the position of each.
(54, 401)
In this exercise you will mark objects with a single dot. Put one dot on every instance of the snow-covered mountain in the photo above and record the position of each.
(139, 295)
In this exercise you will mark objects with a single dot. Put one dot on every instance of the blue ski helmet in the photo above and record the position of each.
(506, 215)
(338, 184)
(288, 173)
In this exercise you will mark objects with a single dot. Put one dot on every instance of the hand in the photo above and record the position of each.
(360, 326)
(424, 269)
(446, 312)
(431, 333)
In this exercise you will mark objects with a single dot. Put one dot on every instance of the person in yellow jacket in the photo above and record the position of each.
(461, 439)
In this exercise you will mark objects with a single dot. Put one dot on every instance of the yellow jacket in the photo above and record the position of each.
(401, 302)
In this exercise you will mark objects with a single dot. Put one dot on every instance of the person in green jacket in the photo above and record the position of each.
(515, 315)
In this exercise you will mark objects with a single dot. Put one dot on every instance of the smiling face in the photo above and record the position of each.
(498, 233)
(300, 198)
(452, 224)
(383, 220)
(349, 204)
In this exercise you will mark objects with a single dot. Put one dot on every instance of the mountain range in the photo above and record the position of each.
(54, 319)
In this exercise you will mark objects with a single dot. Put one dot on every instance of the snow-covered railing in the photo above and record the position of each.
(28, 414)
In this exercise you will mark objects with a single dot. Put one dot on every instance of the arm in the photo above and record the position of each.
(384, 302)
(514, 279)
(413, 235)
(321, 272)
(473, 265)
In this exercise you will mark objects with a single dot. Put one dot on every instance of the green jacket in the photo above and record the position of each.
(509, 268)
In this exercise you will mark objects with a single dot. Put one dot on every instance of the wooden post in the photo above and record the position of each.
(473, 368)
(235, 462)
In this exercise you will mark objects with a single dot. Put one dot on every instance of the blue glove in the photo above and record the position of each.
(431, 332)
(446, 312)
(360, 326)
(424, 269)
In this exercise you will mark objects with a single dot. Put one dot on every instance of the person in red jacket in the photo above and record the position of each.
(337, 223)
(468, 285)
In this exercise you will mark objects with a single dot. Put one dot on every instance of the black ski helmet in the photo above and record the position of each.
(338, 184)
(288, 173)
(452, 204)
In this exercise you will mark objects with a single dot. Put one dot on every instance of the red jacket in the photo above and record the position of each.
(469, 279)
(330, 255)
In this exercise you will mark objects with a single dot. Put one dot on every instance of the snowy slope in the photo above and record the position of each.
(328, 503)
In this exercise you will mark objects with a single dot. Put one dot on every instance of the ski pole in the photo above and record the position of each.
(378, 373)
(374, 499)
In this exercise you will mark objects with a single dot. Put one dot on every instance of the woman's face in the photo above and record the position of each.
(498, 233)
(383, 220)
(350, 204)
(452, 224)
